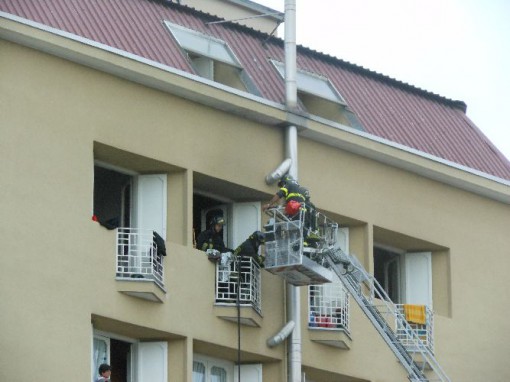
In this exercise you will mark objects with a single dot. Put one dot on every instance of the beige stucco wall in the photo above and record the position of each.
(57, 266)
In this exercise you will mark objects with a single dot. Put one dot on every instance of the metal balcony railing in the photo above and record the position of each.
(227, 280)
(137, 256)
(425, 332)
(328, 306)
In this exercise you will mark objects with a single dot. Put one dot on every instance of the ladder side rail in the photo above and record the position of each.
(380, 325)
(378, 292)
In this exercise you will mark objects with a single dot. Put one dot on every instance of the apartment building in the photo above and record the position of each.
(121, 118)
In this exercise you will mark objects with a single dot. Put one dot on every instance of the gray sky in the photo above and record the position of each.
(459, 49)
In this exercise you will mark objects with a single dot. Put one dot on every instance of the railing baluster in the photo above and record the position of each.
(137, 256)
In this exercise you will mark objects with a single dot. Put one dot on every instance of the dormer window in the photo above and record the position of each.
(319, 97)
(211, 57)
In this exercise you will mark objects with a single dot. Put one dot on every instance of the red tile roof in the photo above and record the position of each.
(386, 108)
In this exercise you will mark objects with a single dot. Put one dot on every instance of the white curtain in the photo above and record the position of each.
(218, 374)
(198, 372)
(100, 354)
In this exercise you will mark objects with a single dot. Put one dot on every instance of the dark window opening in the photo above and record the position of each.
(387, 272)
(112, 198)
(204, 211)
(120, 357)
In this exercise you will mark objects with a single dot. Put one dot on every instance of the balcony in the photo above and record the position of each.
(227, 281)
(425, 332)
(139, 266)
(328, 315)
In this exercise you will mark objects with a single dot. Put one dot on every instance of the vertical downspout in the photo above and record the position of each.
(293, 295)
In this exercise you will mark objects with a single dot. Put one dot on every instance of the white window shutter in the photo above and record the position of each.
(246, 218)
(249, 373)
(342, 238)
(418, 278)
(152, 362)
(152, 203)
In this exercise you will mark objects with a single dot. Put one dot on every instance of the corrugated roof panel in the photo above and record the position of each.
(385, 107)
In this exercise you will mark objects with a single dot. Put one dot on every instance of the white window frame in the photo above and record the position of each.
(107, 335)
(95, 366)
(403, 275)
(135, 371)
(302, 76)
(178, 32)
(211, 362)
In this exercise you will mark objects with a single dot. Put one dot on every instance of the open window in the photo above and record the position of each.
(388, 271)
(124, 198)
(130, 359)
(405, 276)
(241, 220)
(211, 58)
(320, 97)
(113, 196)
(135, 206)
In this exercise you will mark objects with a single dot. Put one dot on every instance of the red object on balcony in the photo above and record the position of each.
(325, 321)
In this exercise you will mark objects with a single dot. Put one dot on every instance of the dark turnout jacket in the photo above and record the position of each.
(209, 239)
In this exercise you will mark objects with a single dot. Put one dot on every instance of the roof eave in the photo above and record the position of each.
(158, 76)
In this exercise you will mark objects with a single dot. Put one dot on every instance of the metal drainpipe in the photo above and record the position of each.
(293, 295)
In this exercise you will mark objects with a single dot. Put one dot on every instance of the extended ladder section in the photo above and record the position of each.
(291, 254)
(415, 356)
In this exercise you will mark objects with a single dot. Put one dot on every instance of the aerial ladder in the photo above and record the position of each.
(289, 255)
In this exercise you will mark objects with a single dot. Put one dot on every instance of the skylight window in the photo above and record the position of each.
(319, 97)
(201, 44)
(212, 58)
(313, 84)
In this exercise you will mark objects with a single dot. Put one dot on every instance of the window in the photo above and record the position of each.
(112, 197)
(241, 219)
(198, 371)
(405, 276)
(100, 353)
(131, 360)
(319, 97)
(209, 369)
(211, 58)
(135, 205)
(218, 374)
(123, 198)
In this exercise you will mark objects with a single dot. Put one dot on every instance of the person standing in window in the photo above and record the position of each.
(212, 238)
(105, 371)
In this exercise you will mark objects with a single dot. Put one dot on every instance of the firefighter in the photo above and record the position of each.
(212, 238)
(250, 247)
(297, 198)
(293, 194)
